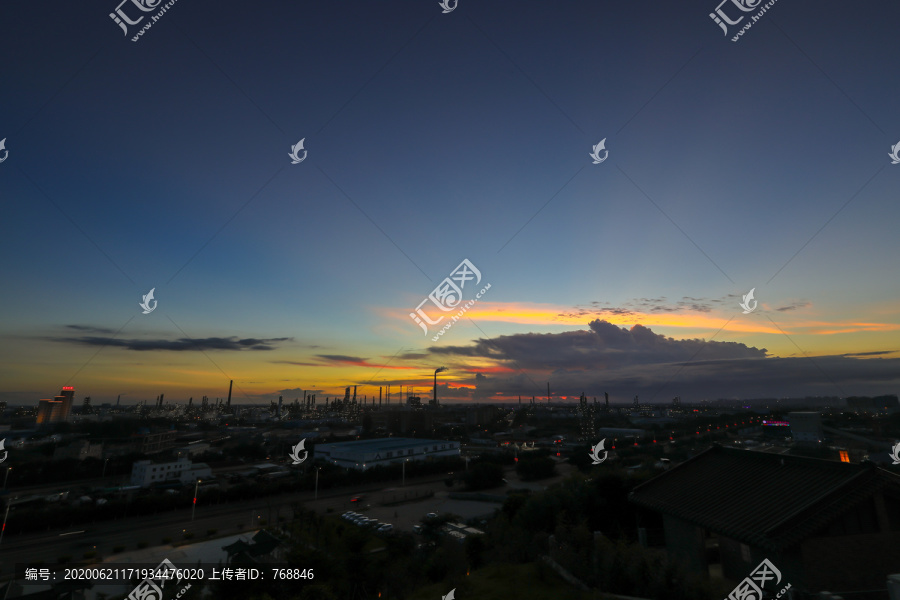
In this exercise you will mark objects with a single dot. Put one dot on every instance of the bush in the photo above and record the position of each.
(188, 535)
(64, 559)
(211, 532)
(142, 545)
(118, 549)
(167, 540)
(90, 554)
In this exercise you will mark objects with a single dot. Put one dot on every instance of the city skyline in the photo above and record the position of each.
(435, 138)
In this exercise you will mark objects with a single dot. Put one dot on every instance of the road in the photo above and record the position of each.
(227, 519)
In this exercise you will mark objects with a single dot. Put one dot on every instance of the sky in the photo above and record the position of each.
(431, 138)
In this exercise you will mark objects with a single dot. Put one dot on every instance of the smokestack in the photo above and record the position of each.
(230, 384)
(354, 394)
(436, 371)
(379, 395)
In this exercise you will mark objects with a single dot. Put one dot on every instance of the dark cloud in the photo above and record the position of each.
(604, 346)
(90, 328)
(178, 345)
(296, 363)
(341, 358)
(637, 361)
(794, 306)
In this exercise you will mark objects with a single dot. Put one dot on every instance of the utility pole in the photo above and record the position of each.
(8, 502)
(194, 507)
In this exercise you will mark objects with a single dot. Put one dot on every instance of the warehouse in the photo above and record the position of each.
(365, 454)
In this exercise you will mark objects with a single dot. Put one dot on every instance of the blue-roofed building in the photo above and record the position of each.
(365, 454)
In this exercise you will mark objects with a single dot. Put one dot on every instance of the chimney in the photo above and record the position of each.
(231, 383)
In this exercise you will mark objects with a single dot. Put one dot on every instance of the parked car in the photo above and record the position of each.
(386, 528)
(417, 529)
(357, 499)
(431, 516)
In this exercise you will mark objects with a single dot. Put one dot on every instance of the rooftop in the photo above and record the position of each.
(379, 445)
(769, 500)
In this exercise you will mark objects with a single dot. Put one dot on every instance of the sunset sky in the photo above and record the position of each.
(433, 138)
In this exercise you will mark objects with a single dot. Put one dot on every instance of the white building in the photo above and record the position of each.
(145, 473)
(366, 454)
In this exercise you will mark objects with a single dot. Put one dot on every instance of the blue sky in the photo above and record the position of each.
(437, 137)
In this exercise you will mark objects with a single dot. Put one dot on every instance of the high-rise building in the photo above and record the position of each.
(58, 409)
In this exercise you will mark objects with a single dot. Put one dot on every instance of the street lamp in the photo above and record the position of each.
(194, 507)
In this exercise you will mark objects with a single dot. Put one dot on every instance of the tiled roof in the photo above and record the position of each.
(763, 499)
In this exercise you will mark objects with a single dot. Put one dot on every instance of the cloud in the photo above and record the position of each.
(793, 306)
(341, 358)
(637, 361)
(605, 346)
(90, 328)
(178, 345)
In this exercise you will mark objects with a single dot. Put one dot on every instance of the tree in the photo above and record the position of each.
(484, 476)
(539, 467)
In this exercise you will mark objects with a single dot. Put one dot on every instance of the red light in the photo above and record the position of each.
(671, 438)
(635, 443)
(68, 387)
(195, 499)
(654, 441)
(516, 459)
(557, 453)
